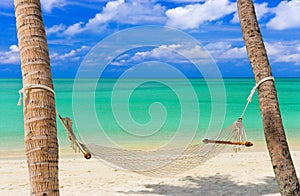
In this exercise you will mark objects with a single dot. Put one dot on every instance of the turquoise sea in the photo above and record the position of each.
(147, 111)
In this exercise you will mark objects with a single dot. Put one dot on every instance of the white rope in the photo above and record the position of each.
(24, 91)
(249, 99)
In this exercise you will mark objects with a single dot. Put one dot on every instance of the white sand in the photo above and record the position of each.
(245, 173)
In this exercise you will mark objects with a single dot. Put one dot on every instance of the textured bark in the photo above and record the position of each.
(273, 128)
(41, 144)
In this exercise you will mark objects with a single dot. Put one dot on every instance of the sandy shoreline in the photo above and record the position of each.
(245, 173)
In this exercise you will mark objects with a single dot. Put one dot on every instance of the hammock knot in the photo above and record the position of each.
(67, 122)
(249, 99)
(25, 90)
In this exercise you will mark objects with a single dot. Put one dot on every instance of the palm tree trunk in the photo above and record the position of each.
(273, 128)
(41, 144)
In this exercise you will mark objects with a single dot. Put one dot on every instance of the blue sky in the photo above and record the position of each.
(74, 27)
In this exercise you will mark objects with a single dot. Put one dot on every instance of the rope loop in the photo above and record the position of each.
(67, 123)
(24, 91)
(249, 99)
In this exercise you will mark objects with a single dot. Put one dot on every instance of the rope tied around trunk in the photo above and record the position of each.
(249, 99)
(67, 122)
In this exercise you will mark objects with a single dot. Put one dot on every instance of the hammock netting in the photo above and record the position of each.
(171, 161)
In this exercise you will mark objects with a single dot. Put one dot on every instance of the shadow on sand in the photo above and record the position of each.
(213, 185)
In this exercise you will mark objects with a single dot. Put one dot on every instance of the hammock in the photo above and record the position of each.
(164, 161)
(171, 161)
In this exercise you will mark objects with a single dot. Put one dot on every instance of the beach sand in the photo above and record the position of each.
(244, 173)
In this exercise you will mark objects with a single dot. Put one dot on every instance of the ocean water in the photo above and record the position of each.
(150, 111)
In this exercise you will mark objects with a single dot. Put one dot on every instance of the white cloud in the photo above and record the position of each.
(74, 29)
(140, 12)
(11, 56)
(173, 53)
(109, 11)
(226, 51)
(185, 1)
(287, 15)
(55, 29)
(285, 52)
(6, 4)
(217, 46)
(71, 55)
(235, 53)
(162, 53)
(9, 14)
(131, 12)
(260, 9)
(291, 58)
(192, 16)
(100, 19)
(48, 5)
(279, 52)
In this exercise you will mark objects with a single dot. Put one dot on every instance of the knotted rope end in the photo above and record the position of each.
(20, 102)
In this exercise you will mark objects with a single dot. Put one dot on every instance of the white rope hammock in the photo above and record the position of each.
(161, 162)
